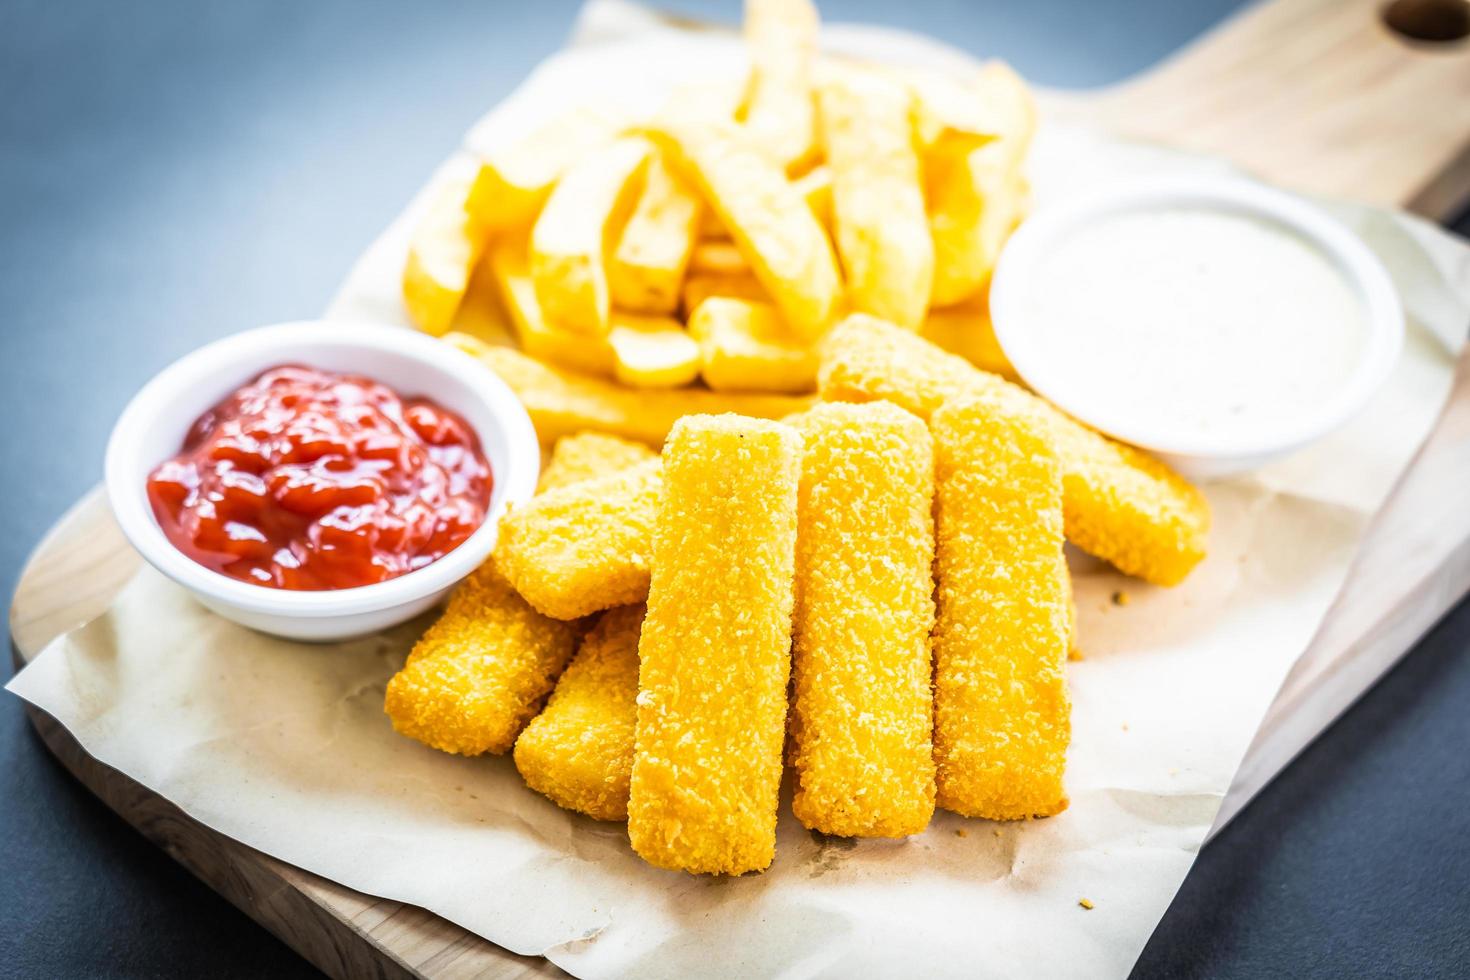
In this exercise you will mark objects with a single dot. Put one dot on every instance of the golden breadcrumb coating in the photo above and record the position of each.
(562, 402)
(1122, 505)
(479, 673)
(716, 648)
(585, 547)
(1002, 720)
(863, 710)
(578, 752)
(586, 455)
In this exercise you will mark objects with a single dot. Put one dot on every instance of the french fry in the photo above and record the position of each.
(777, 112)
(710, 227)
(479, 673)
(515, 179)
(860, 655)
(716, 648)
(578, 752)
(648, 265)
(562, 402)
(700, 287)
(705, 102)
(1002, 719)
(976, 195)
(878, 216)
(569, 239)
(538, 338)
(966, 330)
(652, 351)
(481, 313)
(442, 255)
(585, 547)
(948, 115)
(718, 258)
(744, 346)
(720, 254)
(699, 104)
(1121, 504)
(815, 187)
(585, 455)
(785, 245)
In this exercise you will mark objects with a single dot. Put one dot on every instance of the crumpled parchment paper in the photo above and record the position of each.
(285, 747)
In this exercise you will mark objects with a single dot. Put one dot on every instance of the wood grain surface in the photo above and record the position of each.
(1313, 94)
(1317, 96)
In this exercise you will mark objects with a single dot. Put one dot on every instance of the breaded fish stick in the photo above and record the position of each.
(578, 752)
(1002, 720)
(1122, 505)
(585, 547)
(715, 648)
(864, 611)
(585, 455)
(562, 402)
(479, 674)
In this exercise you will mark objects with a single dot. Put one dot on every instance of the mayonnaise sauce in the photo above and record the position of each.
(1191, 324)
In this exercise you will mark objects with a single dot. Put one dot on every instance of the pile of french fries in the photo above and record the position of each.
(851, 544)
(714, 244)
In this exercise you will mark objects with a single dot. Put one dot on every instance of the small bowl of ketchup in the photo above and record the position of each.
(320, 480)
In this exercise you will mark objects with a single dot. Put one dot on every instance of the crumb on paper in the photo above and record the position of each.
(1086, 903)
(1120, 598)
(962, 832)
(1125, 726)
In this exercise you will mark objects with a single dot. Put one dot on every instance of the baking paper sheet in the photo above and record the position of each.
(285, 747)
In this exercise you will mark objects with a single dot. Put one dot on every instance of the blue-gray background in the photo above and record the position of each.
(174, 171)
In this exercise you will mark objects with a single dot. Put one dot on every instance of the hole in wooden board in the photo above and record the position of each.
(1434, 21)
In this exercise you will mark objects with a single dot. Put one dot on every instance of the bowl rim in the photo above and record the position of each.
(1364, 273)
(129, 503)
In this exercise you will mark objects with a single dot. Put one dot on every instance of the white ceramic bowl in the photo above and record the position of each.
(152, 429)
(1220, 454)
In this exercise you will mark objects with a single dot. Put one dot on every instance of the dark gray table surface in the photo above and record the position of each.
(171, 172)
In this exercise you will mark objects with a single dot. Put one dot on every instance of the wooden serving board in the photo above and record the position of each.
(1312, 94)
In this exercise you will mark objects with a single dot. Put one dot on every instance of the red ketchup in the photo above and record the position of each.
(306, 479)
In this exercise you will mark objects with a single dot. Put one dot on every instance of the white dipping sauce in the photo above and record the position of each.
(1191, 323)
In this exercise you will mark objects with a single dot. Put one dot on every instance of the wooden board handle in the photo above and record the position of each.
(1317, 95)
